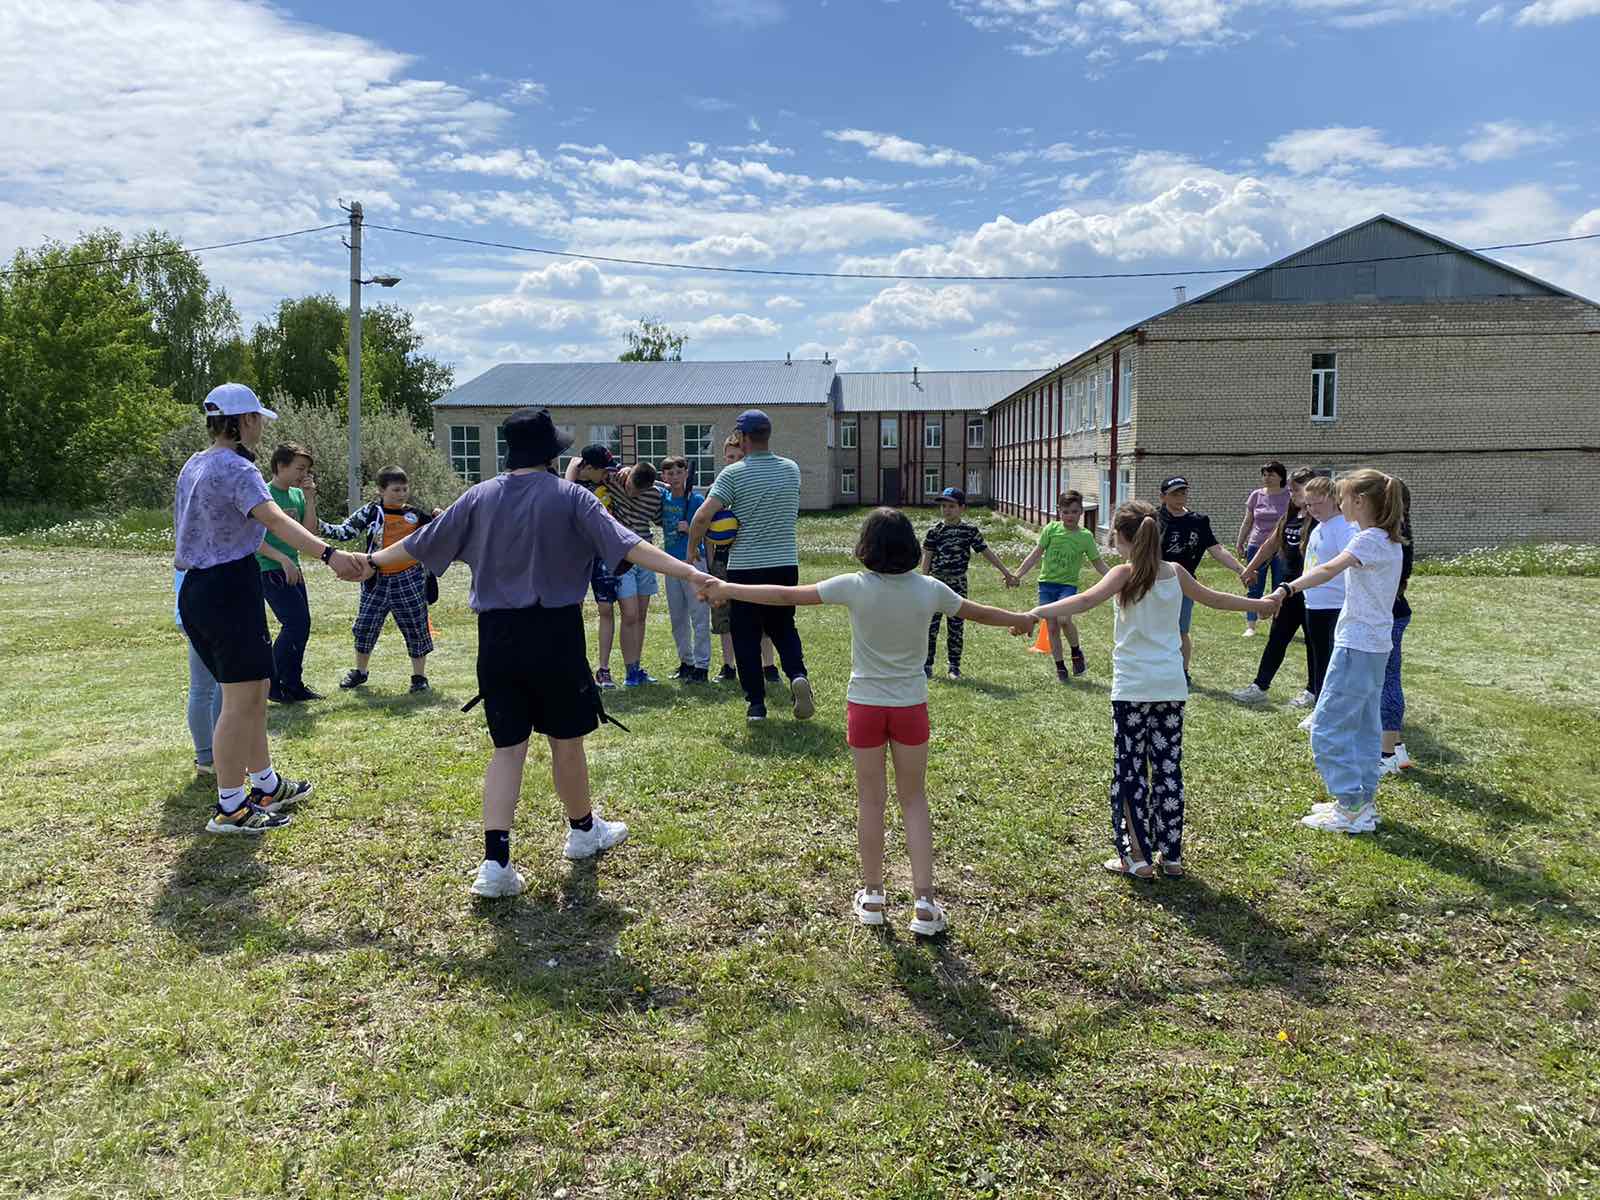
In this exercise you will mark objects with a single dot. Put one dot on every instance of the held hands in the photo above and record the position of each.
(1248, 577)
(709, 588)
(349, 567)
(1023, 624)
(1012, 581)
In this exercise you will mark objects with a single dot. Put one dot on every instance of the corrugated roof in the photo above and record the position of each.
(647, 384)
(927, 391)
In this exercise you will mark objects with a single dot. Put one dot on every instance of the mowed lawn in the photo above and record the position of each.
(327, 1012)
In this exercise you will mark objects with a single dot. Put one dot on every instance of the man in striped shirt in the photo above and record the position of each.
(763, 491)
(636, 505)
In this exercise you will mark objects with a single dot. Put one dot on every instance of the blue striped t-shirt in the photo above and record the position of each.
(763, 490)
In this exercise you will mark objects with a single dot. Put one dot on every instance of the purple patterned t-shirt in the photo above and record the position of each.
(211, 515)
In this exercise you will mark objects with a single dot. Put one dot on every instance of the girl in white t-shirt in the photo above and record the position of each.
(1148, 689)
(1347, 729)
(890, 607)
(1331, 535)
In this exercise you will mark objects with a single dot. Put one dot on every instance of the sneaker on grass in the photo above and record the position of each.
(1249, 694)
(1343, 820)
(604, 834)
(353, 679)
(1326, 806)
(755, 712)
(287, 794)
(954, 672)
(419, 683)
(247, 818)
(1305, 699)
(602, 678)
(494, 881)
(771, 674)
(728, 674)
(1079, 665)
(1307, 721)
(805, 704)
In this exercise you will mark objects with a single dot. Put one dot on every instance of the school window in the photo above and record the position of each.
(464, 455)
(499, 448)
(933, 435)
(975, 433)
(1125, 399)
(932, 484)
(847, 481)
(1105, 399)
(697, 448)
(889, 433)
(974, 481)
(1103, 518)
(652, 444)
(607, 435)
(847, 433)
(571, 432)
(1324, 387)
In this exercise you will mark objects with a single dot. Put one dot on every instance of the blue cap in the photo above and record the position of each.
(753, 420)
(953, 493)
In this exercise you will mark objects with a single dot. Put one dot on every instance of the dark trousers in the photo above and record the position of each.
(292, 607)
(1320, 623)
(958, 625)
(1290, 620)
(750, 622)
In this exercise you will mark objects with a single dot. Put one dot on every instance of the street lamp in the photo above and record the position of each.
(356, 283)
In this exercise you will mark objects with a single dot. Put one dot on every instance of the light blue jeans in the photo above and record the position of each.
(205, 706)
(1346, 730)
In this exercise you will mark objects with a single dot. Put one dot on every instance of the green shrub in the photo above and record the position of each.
(1543, 558)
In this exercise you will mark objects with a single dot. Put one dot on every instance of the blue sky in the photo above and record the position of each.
(917, 136)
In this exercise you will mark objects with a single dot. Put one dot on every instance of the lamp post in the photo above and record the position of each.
(356, 283)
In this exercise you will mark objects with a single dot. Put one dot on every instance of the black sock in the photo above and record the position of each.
(416, 678)
(584, 823)
(1061, 663)
(497, 846)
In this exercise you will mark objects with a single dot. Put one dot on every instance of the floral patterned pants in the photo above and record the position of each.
(1147, 779)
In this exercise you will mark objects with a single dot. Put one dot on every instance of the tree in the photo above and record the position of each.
(191, 325)
(78, 373)
(394, 372)
(653, 342)
(297, 354)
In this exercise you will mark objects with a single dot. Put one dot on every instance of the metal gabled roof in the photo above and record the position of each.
(741, 385)
(927, 391)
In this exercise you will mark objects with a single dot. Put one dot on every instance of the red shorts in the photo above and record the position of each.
(868, 726)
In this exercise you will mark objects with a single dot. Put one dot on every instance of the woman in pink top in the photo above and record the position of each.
(1262, 512)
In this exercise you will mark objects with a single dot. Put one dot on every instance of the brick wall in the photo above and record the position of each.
(910, 457)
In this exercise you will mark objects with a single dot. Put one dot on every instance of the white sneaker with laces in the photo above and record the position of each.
(1387, 765)
(494, 881)
(1251, 694)
(585, 843)
(1326, 806)
(1402, 760)
(805, 704)
(1304, 700)
(1307, 721)
(1249, 631)
(1339, 820)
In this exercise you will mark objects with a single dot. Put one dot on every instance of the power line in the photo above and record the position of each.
(937, 278)
(122, 258)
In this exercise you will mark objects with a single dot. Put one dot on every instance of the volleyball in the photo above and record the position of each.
(724, 528)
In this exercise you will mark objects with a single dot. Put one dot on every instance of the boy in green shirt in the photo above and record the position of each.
(294, 489)
(1064, 546)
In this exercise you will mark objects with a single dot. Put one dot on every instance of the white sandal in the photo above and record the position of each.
(868, 916)
(1134, 868)
(931, 925)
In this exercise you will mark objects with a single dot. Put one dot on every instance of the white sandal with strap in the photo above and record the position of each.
(868, 916)
(932, 924)
(1134, 868)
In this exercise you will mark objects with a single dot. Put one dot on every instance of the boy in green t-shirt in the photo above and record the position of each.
(1064, 546)
(294, 489)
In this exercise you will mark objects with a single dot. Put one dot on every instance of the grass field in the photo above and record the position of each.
(325, 1012)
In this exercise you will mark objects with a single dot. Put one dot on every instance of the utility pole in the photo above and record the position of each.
(355, 355)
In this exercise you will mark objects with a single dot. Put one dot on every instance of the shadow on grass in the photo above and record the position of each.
(1261, 952)
(786, 738)
(1507, 882)
(952, 996)
(1489, 803)
(971, 683)
(1428, 750)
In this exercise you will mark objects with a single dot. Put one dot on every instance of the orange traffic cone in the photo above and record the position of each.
(1041, 644)
(432, 631)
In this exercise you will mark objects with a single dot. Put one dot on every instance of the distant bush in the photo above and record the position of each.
(1544, 558)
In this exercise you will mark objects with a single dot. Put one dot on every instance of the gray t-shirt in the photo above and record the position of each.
(889, 617)
(529, 539)
(211, 519)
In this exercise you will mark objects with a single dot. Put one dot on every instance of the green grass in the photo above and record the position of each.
(326, 1012)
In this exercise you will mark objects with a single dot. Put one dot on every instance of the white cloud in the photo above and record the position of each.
(519, 164)
(1491, 15)
(1339, 149)
(696, 149)
(737, 325)
(764, 148)
(1504, 139)
(753, 125)
(600, 150)
(785, 304)
(915, 308)
(710, 104)
(745, 14)
(1557, 12)
(524, 92)
(891, 148)
(883, 352)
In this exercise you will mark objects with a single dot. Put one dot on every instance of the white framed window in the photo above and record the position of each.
(607, 435)
(932, 481)
(847, 481)
(651, 444)
(888, 433)
(698, 441)
(975, 428)
(974, 482)
(1103, 517)
(847, 433)
(1324, 387)
(831, 422)
(1125, 396)
(933, 435)
(465, 456)
(499, 449)
(1105, 398)
(566, 455)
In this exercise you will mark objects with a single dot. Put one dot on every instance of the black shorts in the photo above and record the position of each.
(533, 674)
(604, 583)
(225, 615)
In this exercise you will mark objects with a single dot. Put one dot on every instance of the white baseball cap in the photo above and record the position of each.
(233, 400)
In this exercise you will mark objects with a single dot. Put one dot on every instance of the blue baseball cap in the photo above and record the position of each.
(953, 493)
(753, 420)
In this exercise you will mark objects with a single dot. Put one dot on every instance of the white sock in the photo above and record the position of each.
(229, 800)
(265, 779)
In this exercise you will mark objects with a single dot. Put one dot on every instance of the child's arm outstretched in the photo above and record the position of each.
(1020, 623)
(720, 591)
(1108, 586)
(1034, 556)
(1211, 598)
(1264, 554)
(1317, 576)
(927, 560)
(1005, 571)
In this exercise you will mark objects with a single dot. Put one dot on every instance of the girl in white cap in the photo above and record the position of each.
(220, 517)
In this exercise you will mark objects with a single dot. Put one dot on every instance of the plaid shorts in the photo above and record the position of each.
(404, 595)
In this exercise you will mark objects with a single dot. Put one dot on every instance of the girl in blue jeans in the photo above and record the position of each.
(1347, 732)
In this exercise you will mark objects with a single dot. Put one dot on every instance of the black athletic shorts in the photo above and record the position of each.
(533, 674)
(225, 615)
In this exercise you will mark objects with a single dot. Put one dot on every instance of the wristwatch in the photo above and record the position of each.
(327, 553)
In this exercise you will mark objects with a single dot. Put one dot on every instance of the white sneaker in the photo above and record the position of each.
(1402, 760)
(1337, 820)
(1387, 765)
(1304, 700)
(1249, 631)
(1307, 721)
(584, 843)
(1250, 695)
(805, 704)
(1327, 806)
(494, 881)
